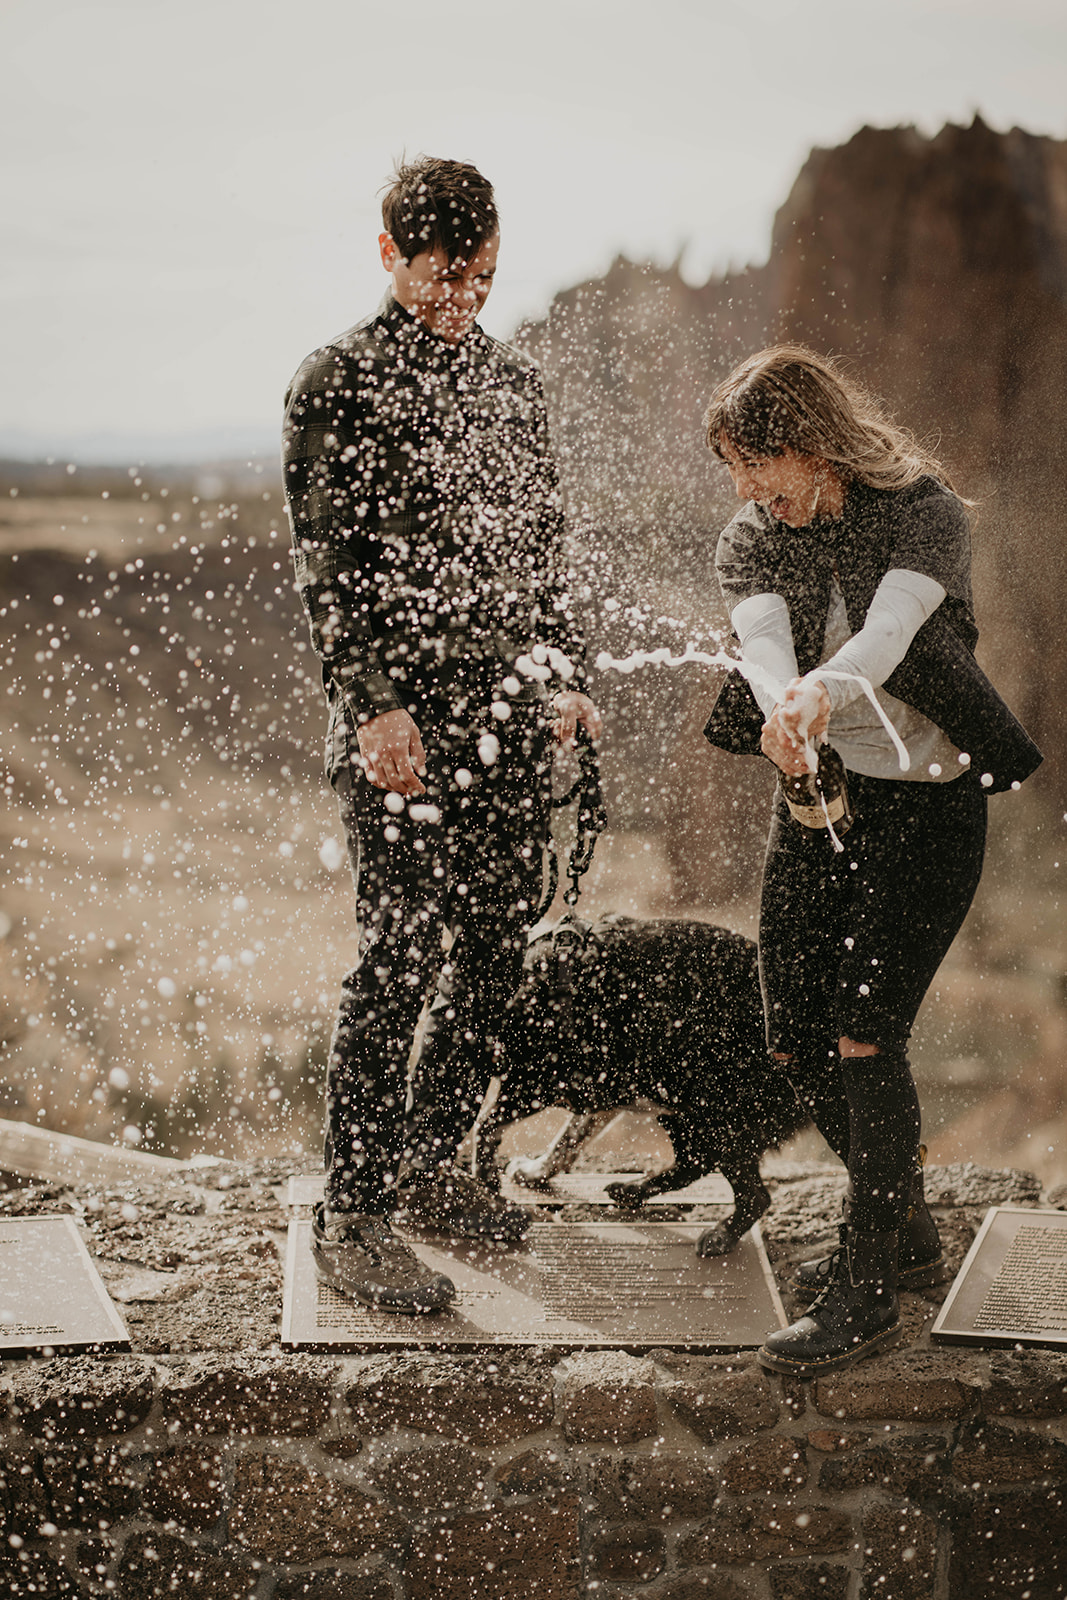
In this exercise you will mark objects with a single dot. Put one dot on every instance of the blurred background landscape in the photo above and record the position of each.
(176, 911)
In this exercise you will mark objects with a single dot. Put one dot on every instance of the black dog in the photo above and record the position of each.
(668, 1012)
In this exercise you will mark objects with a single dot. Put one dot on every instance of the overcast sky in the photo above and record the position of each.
(189, 191)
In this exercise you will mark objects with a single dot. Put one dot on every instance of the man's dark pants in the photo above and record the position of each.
(467, 857)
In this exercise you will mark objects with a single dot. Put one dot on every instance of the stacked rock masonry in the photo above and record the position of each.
(210, 1463)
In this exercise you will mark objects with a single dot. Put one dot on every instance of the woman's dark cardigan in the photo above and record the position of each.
(922, 528)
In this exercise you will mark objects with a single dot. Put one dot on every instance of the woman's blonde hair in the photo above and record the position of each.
(788, 397)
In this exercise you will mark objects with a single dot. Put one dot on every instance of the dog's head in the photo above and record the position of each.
(538, 1032)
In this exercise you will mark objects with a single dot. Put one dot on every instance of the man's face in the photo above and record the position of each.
(445, 295)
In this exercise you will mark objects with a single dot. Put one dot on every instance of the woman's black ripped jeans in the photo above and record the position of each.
(849, 944)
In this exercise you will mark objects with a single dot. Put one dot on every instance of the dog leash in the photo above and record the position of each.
(591, 820)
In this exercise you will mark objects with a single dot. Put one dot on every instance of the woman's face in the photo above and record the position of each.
(790, 486)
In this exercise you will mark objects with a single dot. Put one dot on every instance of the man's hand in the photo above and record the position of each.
(571, 707)
(393, 757)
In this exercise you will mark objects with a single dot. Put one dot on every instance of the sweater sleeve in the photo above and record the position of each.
(762, 626)
(931, 535)
(328, 446)
(902, 603)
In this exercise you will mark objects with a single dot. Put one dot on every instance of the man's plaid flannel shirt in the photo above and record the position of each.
(426, 514)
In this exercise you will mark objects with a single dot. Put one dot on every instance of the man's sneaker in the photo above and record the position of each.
(451, 1202)
(362, 1257)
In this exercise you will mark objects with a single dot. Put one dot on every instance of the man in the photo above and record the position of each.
(427, 527)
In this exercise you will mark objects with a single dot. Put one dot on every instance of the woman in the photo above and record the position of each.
(852, 556)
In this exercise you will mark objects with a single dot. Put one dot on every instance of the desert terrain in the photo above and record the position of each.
(176, 909)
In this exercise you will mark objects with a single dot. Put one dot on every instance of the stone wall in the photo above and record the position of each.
(211, 1464)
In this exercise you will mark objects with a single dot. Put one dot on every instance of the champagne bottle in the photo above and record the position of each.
(816, 799)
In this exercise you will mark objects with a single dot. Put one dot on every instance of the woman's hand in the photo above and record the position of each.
(788, 753)
(806, 708)
(797, 722)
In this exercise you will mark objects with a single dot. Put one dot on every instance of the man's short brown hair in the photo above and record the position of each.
(432, 204)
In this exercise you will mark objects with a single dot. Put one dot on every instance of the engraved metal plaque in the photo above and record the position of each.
(51, 1295)
(616, 1285)
(1012, 1286)
(586, 1188)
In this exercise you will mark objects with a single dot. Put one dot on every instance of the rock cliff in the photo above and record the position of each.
(940, 266)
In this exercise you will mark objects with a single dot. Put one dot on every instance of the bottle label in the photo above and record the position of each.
(815, 816)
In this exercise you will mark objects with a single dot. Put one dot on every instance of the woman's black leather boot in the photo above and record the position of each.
(856, 1315)
(919, 1264)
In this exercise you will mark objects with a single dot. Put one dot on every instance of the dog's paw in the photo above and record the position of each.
(533, 1172)
(718, 1240)
(627, 1196)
